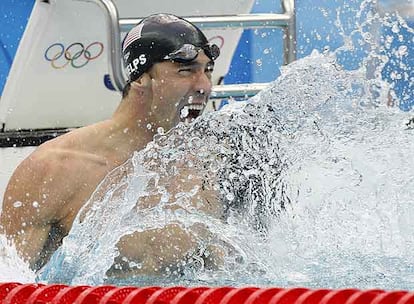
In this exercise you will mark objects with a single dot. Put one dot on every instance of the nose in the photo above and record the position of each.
(202, 84)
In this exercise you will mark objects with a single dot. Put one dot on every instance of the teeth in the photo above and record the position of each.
(197, 107)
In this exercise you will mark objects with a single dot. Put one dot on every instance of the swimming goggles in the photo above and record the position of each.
(189, 52)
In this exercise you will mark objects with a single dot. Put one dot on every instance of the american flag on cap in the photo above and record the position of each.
(132, 36)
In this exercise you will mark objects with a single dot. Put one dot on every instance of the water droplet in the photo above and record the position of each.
(403, 50)
(367, 37)
(230, 196)
(135, 265)
(17, 204)
(324, 12)
(395, 28)
(184, 112)
(160, 130)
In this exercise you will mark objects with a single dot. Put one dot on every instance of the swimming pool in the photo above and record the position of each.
(331, 160)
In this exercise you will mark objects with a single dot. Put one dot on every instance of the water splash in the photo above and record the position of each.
(13, 268)
(351, 222)
(307, 170)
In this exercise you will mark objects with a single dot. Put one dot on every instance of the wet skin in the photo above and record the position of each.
(57, 179)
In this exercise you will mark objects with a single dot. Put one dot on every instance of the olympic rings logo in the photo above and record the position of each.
(218, 40)
(76, 54)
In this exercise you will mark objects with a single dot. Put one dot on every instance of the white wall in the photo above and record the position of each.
(9, 160)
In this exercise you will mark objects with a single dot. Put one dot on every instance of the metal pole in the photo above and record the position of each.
(289, 43)
(114, 25)
(237, 90)
(225, 21)
(114, 42)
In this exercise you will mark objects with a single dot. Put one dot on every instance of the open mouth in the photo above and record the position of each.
(190, 112)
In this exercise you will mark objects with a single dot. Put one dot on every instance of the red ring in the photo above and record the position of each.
(219, 38)
(99, 53)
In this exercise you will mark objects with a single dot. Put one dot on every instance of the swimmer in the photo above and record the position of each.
(169, 63)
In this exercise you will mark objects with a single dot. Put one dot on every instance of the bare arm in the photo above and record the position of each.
(165, 251)
(26, 217)
(168, 249)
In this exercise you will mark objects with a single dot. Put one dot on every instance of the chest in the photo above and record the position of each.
(80, 179)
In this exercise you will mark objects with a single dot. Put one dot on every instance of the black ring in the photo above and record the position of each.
(73, 44)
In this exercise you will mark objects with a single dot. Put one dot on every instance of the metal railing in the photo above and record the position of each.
(237, 90)
(286, 20)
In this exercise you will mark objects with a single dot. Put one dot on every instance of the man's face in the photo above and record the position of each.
(180, 90)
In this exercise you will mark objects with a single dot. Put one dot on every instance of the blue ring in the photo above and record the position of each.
(54, 44)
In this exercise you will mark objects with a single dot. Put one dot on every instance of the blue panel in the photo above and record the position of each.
(399, 70)
(267, 45)
(240, 67)
(14, 16)
(316, 29)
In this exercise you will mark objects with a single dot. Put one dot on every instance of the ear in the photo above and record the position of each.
(143, 82)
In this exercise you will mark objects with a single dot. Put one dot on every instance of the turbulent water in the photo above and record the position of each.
(315, 171)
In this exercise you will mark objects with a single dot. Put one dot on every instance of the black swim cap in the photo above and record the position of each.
(163, 37)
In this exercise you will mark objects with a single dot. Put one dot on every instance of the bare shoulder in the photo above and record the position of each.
(43, 172)
(33, 202)
(59, 176)
(33, 181)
